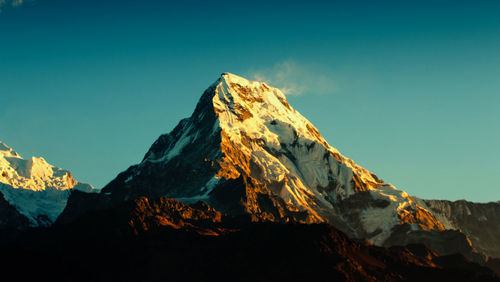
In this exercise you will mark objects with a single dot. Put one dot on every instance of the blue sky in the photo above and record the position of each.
(408, 89)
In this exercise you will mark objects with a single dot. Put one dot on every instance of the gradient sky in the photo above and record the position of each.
(408, 89)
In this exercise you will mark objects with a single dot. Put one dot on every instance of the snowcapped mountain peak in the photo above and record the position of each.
(231, 80)
(227, 76)
(32, 174)
(6, 151)
(253, 110)
(245, 141)
(260, 89)
(35, 187)
(252, 106)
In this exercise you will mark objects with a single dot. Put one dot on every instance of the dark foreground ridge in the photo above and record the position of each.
(165, 240)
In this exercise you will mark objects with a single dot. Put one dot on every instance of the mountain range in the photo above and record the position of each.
(32, 192)
(246, 162)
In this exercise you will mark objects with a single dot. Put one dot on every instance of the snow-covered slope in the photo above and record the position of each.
(36, 189)
(246, 150)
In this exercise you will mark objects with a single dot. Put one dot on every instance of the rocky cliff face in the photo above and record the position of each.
(480, 222)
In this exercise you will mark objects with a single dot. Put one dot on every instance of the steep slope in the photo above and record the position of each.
(479, 221)
(32, 192)
(165, 240)
(245, 150)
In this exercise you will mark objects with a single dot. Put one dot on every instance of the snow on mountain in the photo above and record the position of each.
(245, 149)
(36, 189)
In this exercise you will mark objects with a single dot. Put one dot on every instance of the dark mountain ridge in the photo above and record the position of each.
(163, 239)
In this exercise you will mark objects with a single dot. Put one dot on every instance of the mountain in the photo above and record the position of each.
(480, 222)
(245, 188)
(246, 152)
(32, 192)
(165, 240)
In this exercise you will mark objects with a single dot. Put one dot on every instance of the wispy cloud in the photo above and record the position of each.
(11, 3)
(297, 79)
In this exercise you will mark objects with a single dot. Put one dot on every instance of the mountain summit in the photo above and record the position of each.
(32, 192)
(246, 151)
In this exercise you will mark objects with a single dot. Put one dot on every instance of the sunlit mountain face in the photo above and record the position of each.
(245, 150)
(247, 186)
(33, 192)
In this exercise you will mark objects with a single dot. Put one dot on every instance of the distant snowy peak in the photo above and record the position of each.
(6, 151)
(37, 189)
(33, 174)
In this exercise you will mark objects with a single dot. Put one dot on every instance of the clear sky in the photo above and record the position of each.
(408, 89)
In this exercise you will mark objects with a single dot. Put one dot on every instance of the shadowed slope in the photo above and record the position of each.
(163, 239)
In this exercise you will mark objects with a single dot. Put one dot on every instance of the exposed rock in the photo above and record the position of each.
(10, 218)
(446, 242)
(480, 222)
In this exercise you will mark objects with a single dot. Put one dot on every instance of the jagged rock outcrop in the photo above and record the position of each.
(480, 222)
(445, 242)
